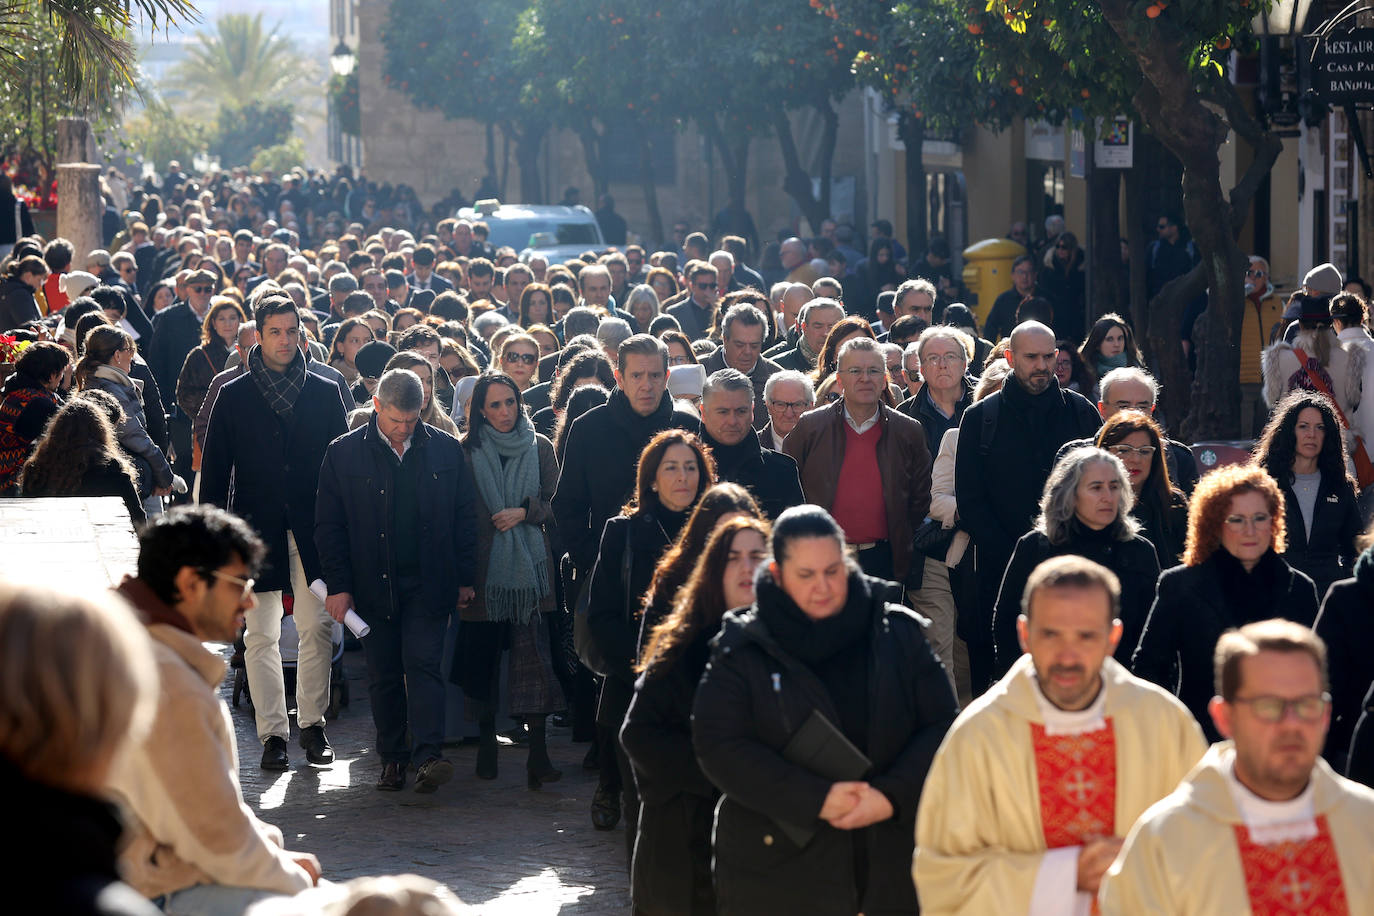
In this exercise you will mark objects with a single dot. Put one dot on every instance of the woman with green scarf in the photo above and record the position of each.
(1109, 345)
(515, 474)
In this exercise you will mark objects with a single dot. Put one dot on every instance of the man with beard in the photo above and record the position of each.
(1007, 446)
(1040, 778)
(1262, 825)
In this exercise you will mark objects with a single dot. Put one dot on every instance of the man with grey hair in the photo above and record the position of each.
(1132, 388)
(402, 552)
(788, 394)
(742, 331)
(1007, 446)
(815, 320)
(726, 414)
(340, 285)
(611, 333)
(793, 300)
(867, 465)
(724, 263)
(488, 323)
(792, 253)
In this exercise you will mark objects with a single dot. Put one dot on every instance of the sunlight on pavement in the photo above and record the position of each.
(535, 895)
(274, 794)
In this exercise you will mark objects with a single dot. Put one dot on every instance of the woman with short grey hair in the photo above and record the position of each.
(642, 305)
(1085, 510)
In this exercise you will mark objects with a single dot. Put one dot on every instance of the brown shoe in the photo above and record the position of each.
(393, 778)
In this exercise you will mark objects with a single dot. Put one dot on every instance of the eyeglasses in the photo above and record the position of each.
(678, 360)
(789, 406)
(705, 285)
(1061, 246)
(1162, 226)
(1126, 451)
(1259, 520)
(200, 288)
(529, 359)
(944, 359)
(129, 349)
(245, 584)
(1275, 709)
(858, 372)
(1255, 273)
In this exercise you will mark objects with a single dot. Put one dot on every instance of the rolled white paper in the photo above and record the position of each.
(356, 625)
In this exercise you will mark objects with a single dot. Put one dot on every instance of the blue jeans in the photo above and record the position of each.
(212, 900)
(405, 684)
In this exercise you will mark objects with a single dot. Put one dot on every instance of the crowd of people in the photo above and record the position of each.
(757, 539)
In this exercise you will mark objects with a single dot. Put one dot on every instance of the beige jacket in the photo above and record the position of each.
(188, 822)
(942, 504)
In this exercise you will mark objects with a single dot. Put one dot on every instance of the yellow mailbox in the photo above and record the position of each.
(987, 271)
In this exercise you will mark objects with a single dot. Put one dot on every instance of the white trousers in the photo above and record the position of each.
(262, 655)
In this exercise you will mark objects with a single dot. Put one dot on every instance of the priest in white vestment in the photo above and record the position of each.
(1040, 778)
(1262, 826)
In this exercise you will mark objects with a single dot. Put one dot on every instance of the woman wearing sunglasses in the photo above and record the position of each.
(1232, 574)
(519, 358)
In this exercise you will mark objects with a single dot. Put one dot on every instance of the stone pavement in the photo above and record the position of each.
(499, 846)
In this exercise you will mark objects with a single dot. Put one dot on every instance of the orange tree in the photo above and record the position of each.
(957, 62)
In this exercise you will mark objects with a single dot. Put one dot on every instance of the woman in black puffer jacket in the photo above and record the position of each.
(821, 638)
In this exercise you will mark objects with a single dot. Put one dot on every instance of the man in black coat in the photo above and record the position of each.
(1007, 446)
(727, 409)
(742, 331)
(603, 447)
(176, 332)
(266, 438)
(402, 550)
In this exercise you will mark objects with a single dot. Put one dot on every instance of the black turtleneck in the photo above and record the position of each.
(1249, 590)
(730, 457)
(671, 522)
(834, 648)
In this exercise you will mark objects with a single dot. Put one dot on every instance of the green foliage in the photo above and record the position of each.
(243, 130)
(240, 60)
(280, 158)
(158, 135)
(344, 99)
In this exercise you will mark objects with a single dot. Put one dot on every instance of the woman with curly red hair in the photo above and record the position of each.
(1231, 575)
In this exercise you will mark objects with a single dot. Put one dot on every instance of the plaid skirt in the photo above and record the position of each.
(531, 688)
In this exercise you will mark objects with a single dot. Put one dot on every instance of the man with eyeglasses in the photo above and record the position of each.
(696, 313)
(264, 443)
(1132, 388)
(867, 465)
(788, 394)
(192, 845)
(1036, 785)
(176, 332)
(815, 320)
(1262, 824)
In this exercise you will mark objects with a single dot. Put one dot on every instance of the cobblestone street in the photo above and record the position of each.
(499, 846)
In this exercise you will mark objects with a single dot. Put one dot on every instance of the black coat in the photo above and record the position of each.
(1329, 552)
(1194, 605)
(934, 423)
(1360, 766)
(154, 413)
(616, 632)
(671, 867)
(1134, 562)
(176, 332)
(771, 476)
(751, 699)
(18, 305)
(65, 861)
(600, 457)
(1346, 623)
(1165, 527)
(267, 472)
(354, 525)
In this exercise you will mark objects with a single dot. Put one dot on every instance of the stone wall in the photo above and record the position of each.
(433, 155)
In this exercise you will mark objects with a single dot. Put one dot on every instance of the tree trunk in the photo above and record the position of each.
(734, 158)
(529, 140)
(1104, 245)
(592, 143)
(1173, 109)
(797, 180)
(649, 186)
(491, 151)
(912, 131)
(505, 162)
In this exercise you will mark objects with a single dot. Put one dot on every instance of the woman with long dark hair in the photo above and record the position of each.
(821, 649)
(219, 334)
(1302, 448)
(78, 456)
(1110, 344)
(671, 868)
(352, 334)
(1160, 507)
(28, 400)
(878, 274)
(536, 305)
(674, 470)
(109, 355)
(22, 279)
(514, 474)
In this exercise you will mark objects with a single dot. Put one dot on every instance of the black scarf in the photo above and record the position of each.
(731, 458)
(640, 428)
(280, 389)
(1248, 593)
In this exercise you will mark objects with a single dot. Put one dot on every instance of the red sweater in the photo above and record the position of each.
(859, 506)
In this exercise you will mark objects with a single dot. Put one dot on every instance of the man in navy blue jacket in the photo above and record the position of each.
(397, 534)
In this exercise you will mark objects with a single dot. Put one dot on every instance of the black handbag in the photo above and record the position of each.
(587, 649)
(932, 539)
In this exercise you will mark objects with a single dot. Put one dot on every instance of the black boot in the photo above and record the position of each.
(539, 768)
(486, 750)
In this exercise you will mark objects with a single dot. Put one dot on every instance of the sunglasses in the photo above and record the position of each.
(200, 288)
(705, 285)
(529, 359)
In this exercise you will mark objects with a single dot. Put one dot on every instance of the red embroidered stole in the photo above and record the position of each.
(1299, 878)
(1077, 777)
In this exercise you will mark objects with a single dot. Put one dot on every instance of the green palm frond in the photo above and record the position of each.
(95, 54)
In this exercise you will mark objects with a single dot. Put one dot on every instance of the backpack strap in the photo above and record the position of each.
(988, 430)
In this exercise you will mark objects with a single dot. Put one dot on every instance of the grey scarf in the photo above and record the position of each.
(280, 389)
(518, 573)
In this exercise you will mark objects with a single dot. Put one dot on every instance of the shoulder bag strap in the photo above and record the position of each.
(626, 565)
(1320, 385)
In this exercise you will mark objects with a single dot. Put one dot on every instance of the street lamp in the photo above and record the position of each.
(342, 60)
(1282, 70)
(1285, 17)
